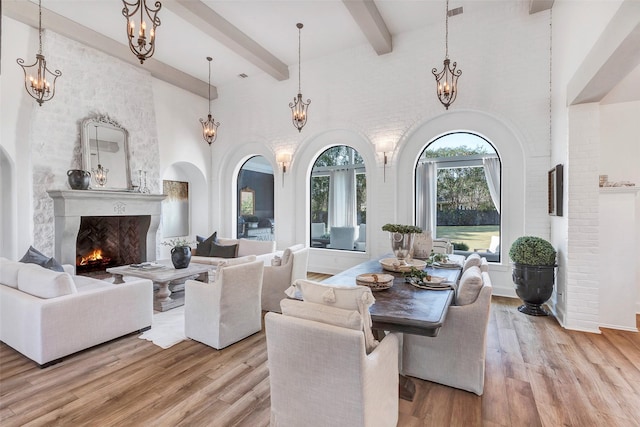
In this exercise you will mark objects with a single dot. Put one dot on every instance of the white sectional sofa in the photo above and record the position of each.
(264, 250)
(47, 315)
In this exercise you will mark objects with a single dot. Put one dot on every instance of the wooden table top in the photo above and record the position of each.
(168, 273)
(404, 307)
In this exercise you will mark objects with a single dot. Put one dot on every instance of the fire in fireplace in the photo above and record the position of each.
(108, 241)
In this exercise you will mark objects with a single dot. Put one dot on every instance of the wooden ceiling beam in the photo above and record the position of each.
(27, 13)
(368, 18)
(211, 23)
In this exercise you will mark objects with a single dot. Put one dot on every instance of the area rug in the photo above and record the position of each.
(167, 328)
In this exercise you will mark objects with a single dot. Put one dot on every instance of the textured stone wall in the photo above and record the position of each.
(92, 83)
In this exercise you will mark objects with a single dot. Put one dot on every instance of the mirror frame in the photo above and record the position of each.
(104, 121)
(250, 196)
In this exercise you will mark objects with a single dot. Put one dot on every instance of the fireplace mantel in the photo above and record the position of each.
(69, 206)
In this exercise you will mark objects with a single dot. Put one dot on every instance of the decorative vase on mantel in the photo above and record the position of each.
(78, 179)
(181, 256)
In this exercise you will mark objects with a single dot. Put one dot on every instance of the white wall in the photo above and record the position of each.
(363, 100)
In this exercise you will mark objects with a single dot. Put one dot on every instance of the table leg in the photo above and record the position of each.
(164, 292)
(406, 386)
(117, 279)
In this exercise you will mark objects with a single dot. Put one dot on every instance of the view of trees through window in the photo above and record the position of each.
(338, 174)
(465, 212)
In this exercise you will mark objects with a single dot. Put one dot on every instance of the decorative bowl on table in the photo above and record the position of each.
(375, 281)
(392, 264)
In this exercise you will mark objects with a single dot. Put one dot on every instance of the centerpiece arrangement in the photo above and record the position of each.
(180, 251)
(401, 237)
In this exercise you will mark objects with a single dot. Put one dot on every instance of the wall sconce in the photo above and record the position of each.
(384, 147)
(284, 159)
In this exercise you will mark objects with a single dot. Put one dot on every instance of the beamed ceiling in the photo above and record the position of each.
(249, 37)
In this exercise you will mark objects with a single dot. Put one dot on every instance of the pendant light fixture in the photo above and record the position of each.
(298, 106)
(38, 87)
(100, 173)
(141, 48)
(209, 126)
(447, 79)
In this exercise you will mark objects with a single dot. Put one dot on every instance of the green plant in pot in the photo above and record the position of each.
(534, 264)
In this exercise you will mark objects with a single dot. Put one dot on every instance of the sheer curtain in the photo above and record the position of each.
(492, 174)
(426, 188)
(342, 198)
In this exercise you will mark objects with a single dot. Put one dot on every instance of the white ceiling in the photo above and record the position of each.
(328, 27)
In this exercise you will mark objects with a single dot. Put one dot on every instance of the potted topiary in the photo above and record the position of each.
(534, 263)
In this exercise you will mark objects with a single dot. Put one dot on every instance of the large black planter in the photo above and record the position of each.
(181, 256)
(534, 286)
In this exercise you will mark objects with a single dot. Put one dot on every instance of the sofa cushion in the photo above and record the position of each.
(34, 256)
(345, 297)
(473, 259)
(322, 313)
(203, 247)
(9, 272)
(44, 283)
(255, 247)
(223, 251)
(470, 286)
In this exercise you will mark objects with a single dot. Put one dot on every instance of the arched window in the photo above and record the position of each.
(458, 193)
(255, 200)
(338, 189)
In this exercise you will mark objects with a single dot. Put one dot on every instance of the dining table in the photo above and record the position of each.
(404, 307)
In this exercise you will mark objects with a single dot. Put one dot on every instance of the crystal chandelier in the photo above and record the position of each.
(38, 87)
(140, 47)
(298, 106)
(447, 79)
(100, 173)
(209, 126)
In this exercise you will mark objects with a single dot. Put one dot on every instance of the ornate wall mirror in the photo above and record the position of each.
(247, 201)
(105, 153)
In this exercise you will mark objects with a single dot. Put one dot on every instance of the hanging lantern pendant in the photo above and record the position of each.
(140, 47)
(298, 106)
(209, 126)
(39, 88)
(447, 79)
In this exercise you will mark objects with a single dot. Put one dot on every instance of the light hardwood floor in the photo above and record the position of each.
(538, 374)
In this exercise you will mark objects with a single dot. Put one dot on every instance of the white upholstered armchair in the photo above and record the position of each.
(277, 278)
(320, 375)
(228, 310)
(456, 357)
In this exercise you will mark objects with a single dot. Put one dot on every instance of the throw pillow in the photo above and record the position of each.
(473, 259)
(203, 248)
(222, 251)
(44, 283)
(350, 319)
(34, 256)
(470, 286)
(346, 297)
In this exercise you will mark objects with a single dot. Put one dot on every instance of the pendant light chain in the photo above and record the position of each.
(209, 126)
(446, 32)
(40, 25)
(299, 60)
(209, 86)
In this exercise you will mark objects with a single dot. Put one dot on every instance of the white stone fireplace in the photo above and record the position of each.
(70, 206)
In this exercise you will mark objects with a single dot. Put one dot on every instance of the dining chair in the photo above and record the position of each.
(320, 373)
(277, 278)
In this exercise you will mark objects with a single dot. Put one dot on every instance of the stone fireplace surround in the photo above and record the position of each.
(69, 206)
